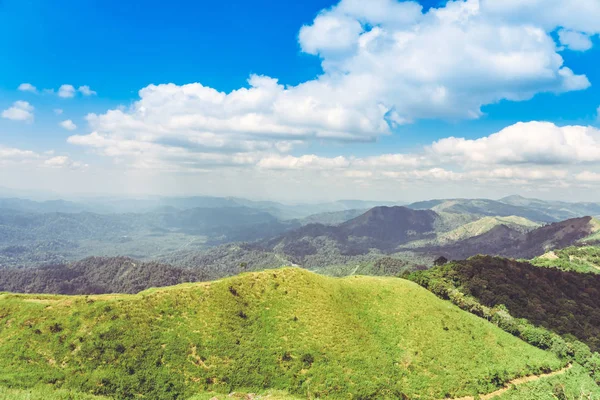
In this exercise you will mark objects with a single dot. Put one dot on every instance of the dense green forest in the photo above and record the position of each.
(96, 275)
(567, 303)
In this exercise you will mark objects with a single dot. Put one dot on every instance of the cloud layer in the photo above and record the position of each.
(385, 63)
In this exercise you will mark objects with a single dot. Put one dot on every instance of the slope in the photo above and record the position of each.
(382, 228)
(510, 241)
(287, 329)
(560, 210)
(478, 228)
(584, 259)
(96, 275)
(567, 303)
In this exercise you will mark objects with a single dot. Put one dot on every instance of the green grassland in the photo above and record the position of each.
(45, 393)
(575, 384)
(476, 228)
(286, 330)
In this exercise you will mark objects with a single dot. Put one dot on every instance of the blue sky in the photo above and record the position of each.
(322, 134)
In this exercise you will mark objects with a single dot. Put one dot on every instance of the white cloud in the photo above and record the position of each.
(86, 91)
(385, 63)
(532, 142)
(11, 154)
(588, 176)
(68, 125)
(66, 91)
(575, 40)
(58, 111)
(20, 111)
(579, 15)
(27, 87)
(303, 162)
(64, 162)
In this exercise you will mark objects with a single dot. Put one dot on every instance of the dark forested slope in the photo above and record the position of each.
(567, 303)
(95, 275)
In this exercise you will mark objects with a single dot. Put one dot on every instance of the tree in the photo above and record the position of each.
(440, 261)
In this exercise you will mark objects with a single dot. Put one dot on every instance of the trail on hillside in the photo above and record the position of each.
(515, 382)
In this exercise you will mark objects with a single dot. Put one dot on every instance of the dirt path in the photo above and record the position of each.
(515, 382)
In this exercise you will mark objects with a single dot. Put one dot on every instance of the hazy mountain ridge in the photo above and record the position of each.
(96, 275)
(532, 209)
(508, 241)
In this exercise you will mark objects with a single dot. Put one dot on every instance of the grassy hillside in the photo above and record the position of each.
(288, 330)
(579, 259)
(486, 207)
(45, 393)
(575, 384)
(477, 228)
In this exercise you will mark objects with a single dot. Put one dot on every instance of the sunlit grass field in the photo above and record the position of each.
(286, 330)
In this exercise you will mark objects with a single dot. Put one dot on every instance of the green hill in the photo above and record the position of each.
(287, 330)
(579, 259)
(477, 228)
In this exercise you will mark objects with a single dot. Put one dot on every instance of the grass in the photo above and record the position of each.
(578, 259)
(44, 393)
(287, 330)
(476, 228)
(575, 384)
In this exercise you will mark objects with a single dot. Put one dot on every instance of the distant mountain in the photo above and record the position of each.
(31, 238)
(332, 218)
(558, 209)
(381, 228)
(484, 207)
(508, 241)
(50, 206)
(477, 228)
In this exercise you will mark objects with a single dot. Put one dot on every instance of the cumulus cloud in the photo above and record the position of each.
(580, 15)
(66, 91)
(27, 87)
(64, 162)
(11, 154)
(532, 142)
(86, 91)
(14, 157)
(68, 125)
(385, 63)
(303, 162)
(20, 111)
(575, 40)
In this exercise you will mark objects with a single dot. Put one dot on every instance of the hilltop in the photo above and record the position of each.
(287, 330)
